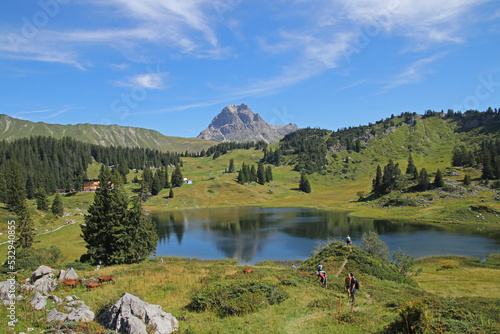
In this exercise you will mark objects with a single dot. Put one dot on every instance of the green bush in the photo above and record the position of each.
(413, 317)
(32, 258)
(236, 298)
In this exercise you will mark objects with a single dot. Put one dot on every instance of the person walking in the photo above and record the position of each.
(348, 240)
(323, 278)
(347, 286)
(354, 287)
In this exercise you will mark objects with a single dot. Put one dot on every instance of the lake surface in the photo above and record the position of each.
(253, 234)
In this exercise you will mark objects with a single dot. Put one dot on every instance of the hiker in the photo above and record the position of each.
(294, 267)
(323, 280)
(347, 286)
(354, 287)
(348, 240)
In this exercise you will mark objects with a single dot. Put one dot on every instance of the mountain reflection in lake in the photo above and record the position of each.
(252, 234)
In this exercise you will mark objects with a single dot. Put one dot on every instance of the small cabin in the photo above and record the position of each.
(186, 181)
(90, 184)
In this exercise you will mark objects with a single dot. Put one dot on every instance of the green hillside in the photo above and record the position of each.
(106, 135)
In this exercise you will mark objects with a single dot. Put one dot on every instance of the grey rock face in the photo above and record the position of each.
(130, 313)
(61, 275)
(38, 301)
(7, 289)
(45, 284)
(82, 313)
(54, 315)
(239, 124)
(70, 274)
(40, 272)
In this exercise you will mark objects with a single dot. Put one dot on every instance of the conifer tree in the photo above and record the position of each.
(261, 176)
(269, 174)
(24, 227)
(438, 180)
(253, 174)
(377, 182)
(467, 180)
(177, 178)
(114, 233)
(165, 178)
(15, 188)
(410, 170)
(57, 206)
(304, 184)
(231, 166)
(171, 193)
(157, 185)
(42, 202)
(144, 192)
(423, 180)
(147, 176)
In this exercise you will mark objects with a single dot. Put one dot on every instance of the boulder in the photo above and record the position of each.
(68, 298)
(38, 301)
(27, 287)
(130, 313)
(68, 309)
(45, 285)
(75, 303)
(40, 272)
(8, 289)
(56, 299)
(69, 274)
(82, 313)
(61, 275)
(54, 315)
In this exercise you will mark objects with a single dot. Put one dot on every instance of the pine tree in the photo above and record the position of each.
(165, 177)
(177, 178)
(304, 184)
(114, 233)
(410, 170)
(15, 188)
(261, 175)
(423, 180)
(147, 176)
(171, 193)
(42, 202)
(377, 181)
(253, 174)
(157, 185)
(269, 174)
(467, 180)
(57, 206)
(24, 228)
(144, 192)
(231, 166)
(438, 180)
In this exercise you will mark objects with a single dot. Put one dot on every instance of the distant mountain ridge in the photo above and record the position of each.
(238, 123)
(107, 135)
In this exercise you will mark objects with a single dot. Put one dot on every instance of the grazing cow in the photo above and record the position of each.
(71, 282)
(103, 279)
(92, 285)
(247, 270)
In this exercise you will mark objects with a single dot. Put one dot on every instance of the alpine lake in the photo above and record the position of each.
(254, 234)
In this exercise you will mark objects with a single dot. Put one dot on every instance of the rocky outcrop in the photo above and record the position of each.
(131, 315)
(66, 275)
(41, 272)
(38, 301)
(45, 285)
(240, 124)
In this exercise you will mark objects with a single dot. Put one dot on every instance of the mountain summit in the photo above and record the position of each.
(240, 124)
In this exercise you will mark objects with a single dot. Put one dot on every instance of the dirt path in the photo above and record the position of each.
(344, 264)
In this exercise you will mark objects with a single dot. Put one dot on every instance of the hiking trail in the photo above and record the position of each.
(344, 264)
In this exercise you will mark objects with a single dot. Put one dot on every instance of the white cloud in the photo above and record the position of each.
(51, 112)
(145, 80)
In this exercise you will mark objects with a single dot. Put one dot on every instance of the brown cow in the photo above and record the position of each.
(103, 279)
(71, 282)
(247, 270)
(92, 285)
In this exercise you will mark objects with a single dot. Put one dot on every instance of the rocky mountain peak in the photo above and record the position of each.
(238, 123)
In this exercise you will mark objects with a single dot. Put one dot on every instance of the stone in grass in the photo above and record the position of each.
(130, 313)
(6, 289)
(38, 301)
(82, 313)
(45, 285)
(41, 272)
(54, 315)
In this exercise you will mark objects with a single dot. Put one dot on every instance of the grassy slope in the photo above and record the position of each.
(108, 135)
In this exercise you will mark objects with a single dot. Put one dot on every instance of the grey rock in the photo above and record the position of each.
(54, 315)
(45, 285)
(40, 272)
(56, 299)
(130, 313)
(71, 274)
(38, 301)
(240, 124)
(75, 303)
(8, 289)
(68, 298)
(61, 275)
(27, 287)
(68, 309)
(19, 298)
(82, 313)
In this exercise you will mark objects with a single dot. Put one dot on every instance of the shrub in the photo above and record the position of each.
(32, 258)
(413, 317)
(403, 261)
(371, 243)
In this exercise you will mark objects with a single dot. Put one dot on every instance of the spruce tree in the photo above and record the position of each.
(377, 182)
(171, 193)
(144, 192)
(57, 206)
(304, 184)
(15, 188)
(157, 185)
(410, 170)
(231, 166)
(114, 233)
(177, 178)
(253, 174)
(269, 174)
(261, 175)
(438, 180)
(24, 228)
(423, 180)
(42, 202)
(467, 180)
(165, 178)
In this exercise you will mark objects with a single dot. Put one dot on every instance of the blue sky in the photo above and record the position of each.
(172, 65)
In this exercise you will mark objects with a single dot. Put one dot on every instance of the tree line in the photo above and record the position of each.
(486, 156)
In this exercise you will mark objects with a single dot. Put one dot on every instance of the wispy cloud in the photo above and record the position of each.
(47, 113)
(146, 80)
